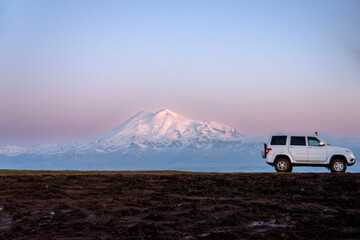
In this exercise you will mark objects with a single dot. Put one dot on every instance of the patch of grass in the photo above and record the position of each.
(94, 172)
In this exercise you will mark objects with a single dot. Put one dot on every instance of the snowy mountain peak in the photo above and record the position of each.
(145, 130)
(168, 113)
(160, 129)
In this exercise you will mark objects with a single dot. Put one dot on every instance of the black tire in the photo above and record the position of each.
(283, 165)
(338, 165)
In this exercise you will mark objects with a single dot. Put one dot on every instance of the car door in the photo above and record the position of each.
(298, 149)
(316, 152)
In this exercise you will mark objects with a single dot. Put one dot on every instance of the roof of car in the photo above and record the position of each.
(295, 135)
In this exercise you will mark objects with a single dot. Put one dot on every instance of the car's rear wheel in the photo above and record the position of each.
(337, 165)
(283, 165)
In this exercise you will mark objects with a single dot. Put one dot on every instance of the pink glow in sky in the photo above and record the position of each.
(73, 69)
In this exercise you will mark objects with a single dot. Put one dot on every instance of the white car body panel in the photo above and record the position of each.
(299, 153)
(317, 154)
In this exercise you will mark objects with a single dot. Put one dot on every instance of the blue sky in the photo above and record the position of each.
(72, 69)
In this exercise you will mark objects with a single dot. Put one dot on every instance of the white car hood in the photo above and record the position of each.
(336, 149)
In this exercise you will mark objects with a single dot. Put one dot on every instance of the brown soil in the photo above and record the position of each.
(180, 206)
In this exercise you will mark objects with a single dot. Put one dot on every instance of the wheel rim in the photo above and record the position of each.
(282, 165)
(338, 166)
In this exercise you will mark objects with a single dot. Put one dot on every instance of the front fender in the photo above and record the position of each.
(340, 154)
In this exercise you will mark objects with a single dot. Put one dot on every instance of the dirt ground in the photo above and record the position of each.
(180, 206)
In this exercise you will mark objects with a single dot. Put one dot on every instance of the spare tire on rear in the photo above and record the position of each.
(263, 152)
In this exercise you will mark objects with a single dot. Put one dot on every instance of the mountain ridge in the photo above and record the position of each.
(160, 129)
(164, 128)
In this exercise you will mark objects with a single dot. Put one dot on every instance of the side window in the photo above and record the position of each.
(278, 140)
(298, 141)
(312, 141)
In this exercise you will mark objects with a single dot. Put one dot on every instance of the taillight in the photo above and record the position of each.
(268, 150)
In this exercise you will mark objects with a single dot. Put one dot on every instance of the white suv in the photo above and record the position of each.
(286, 151)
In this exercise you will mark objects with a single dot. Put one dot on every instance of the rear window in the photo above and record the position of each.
(298, 141)
(278, 140)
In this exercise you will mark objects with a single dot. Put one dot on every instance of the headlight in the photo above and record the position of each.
(348, 151)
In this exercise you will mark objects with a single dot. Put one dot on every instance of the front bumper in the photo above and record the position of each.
(352, 161)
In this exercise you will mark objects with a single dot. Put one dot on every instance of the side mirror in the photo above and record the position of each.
(322, 144)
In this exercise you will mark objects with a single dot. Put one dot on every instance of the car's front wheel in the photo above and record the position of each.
(283, 165)
(338, 165)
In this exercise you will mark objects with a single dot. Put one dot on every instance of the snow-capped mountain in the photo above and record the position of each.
(144, 130)
(161, 140)
(157, 130)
